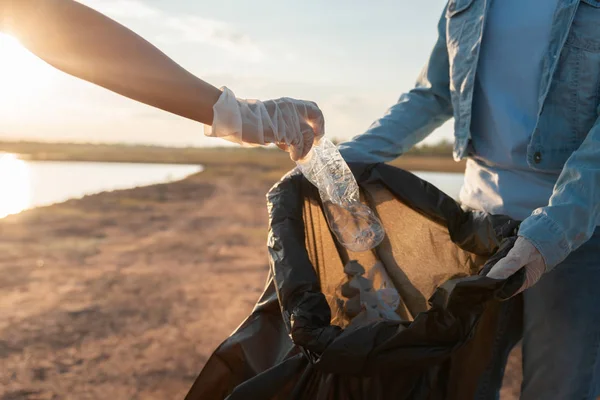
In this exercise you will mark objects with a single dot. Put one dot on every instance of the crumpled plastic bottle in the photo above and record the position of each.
(363, 297)
(354, 224)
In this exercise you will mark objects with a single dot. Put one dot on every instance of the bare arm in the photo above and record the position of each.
(86, 44)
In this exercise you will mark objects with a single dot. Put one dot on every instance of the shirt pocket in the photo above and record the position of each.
(585, 30)
(456, 16)
(457, 6)
(458, 20)
(571, 107)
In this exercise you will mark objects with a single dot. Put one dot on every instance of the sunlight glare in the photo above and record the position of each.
(15, 185)
(22, 75)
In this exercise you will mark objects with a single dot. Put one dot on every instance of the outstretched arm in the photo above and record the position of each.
(86, 44)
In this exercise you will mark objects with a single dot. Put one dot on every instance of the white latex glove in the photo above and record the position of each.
(522, 255)
(291, 124)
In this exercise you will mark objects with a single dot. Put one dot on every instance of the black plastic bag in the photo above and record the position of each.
(434, 253)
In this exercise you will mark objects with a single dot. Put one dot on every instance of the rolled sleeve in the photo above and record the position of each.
(548, 237)
(571, 216)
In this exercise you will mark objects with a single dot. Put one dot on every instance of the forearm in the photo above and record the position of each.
(413, 118)
(90, 46)
(417, 113)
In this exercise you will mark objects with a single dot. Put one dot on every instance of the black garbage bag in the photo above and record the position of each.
(435, 254)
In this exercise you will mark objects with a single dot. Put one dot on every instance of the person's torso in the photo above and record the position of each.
(569, 81)
(504, 110)
(525, 87)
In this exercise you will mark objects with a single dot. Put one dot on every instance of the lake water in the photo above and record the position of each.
(27, 184)
(448, 182)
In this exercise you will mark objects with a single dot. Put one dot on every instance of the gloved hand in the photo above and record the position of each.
(290, 124)
(522, 255)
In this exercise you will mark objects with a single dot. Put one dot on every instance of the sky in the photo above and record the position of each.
(354, 58)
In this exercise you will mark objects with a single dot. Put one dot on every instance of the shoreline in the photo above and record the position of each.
(409, 163)
(208, 157)
(270, 164)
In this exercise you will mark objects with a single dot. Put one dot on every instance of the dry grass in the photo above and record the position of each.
(124, 295)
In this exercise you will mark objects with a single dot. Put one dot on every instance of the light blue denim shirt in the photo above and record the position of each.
(515, 36)
(566, 136)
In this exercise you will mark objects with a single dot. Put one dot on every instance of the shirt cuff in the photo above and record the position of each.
(547, 236)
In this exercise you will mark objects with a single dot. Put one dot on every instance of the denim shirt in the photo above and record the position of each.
(566, 137)
(504, 110)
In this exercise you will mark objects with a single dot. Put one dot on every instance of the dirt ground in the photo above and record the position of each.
(124, 295)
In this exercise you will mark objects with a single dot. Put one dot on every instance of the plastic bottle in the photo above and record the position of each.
(354, 224)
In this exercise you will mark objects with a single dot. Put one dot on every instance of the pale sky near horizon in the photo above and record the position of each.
(354, 58)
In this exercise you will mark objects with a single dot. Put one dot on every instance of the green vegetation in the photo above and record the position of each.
(440, 149)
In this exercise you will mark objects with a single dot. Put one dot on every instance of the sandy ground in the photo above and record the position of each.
(124, 295)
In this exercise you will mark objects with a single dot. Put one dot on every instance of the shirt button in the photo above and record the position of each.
(537, 157)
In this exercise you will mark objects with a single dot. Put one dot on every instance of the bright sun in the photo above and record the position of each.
(14, 184)
(22, 75)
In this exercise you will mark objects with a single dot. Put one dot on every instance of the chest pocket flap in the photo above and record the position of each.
(457, 6)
